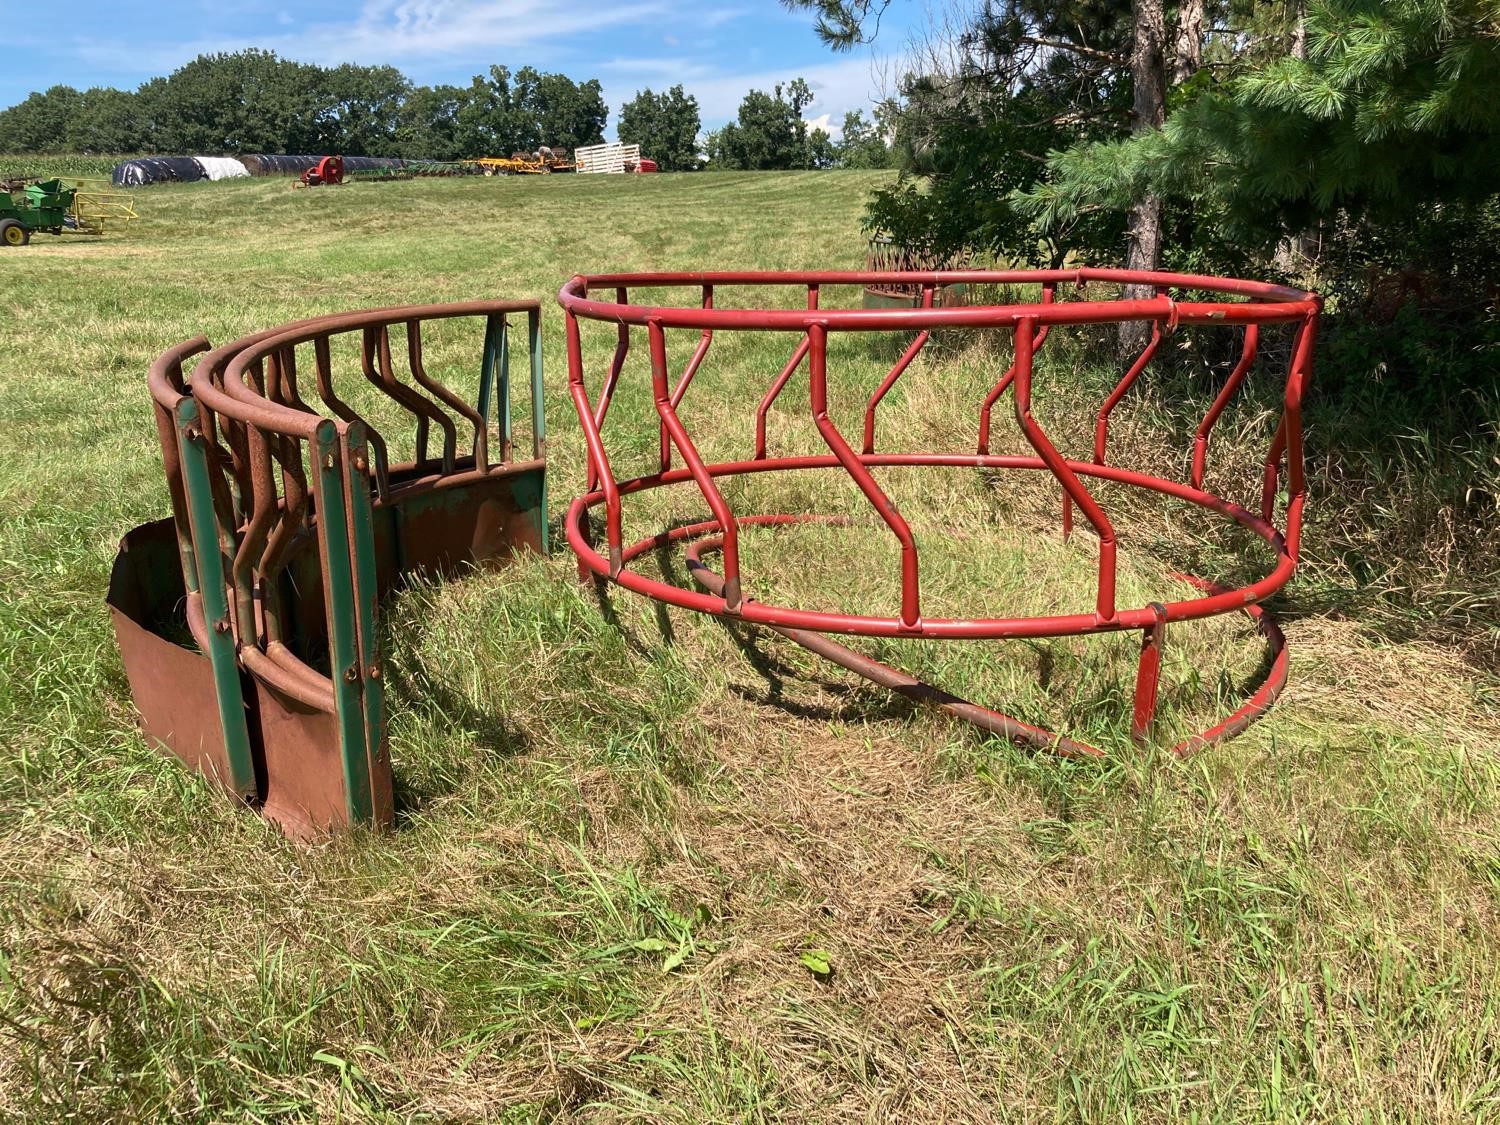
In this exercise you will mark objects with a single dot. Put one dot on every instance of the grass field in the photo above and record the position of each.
(627, 838)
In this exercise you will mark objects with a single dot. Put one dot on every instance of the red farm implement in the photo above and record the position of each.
(1231, 306)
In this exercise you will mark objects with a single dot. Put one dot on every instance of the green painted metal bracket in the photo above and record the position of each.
(211, 588)
(343, 634)
(355, 464)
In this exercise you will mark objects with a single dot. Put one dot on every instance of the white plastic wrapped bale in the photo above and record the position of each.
(222, 167)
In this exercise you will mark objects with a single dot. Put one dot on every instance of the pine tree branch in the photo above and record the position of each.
(1075, 48)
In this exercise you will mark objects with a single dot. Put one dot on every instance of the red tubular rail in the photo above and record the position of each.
(1230, 302)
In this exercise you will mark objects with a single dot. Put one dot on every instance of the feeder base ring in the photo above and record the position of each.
(707, 536)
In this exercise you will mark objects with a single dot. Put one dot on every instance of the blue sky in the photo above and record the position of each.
(717, 51)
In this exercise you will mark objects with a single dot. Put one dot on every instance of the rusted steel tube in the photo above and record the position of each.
(164, 380)
(453, 401)
(1277, 304)
(607, 392)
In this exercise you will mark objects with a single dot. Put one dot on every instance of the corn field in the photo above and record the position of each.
(50, 167)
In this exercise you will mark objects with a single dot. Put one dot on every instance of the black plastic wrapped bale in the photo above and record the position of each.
(158, 170)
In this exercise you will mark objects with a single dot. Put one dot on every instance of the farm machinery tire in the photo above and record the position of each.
(13, 233)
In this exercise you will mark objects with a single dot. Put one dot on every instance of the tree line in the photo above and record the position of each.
(254, 101)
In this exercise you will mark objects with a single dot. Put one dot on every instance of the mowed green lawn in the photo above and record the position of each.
(630, 841)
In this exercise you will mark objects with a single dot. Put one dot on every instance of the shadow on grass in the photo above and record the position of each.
(419, 783)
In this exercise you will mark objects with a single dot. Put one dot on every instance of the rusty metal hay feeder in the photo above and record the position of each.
(247, 620)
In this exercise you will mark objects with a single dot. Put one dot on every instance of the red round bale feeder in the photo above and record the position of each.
(1243, 306)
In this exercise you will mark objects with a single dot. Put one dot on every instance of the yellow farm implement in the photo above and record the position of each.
(538, 163)
(98, 208)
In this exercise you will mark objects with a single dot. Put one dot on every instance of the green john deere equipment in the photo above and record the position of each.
(55, 206)
(46, 206)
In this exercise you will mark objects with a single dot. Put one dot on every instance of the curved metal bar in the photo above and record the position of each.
(346, 413)
(1072, 486)
(165, 382)
(964, 628)
(987, 408)
(673, 428)
(1269, 303)
(911, 597)
(375, 348)
(1260, 701)
(1101, 422)
(452, 401)
(598, 460)
(704, 342)
(779, 383)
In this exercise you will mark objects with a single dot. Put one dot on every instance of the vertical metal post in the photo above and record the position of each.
(496, 362)
(355, 469)
(502, 393)
(598, 459)
(211, 585)
(343, 641)
(538, 414)
(1148, 674)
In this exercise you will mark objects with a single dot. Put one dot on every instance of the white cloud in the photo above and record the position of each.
(428, 37)
(396, 31)
(838, 85)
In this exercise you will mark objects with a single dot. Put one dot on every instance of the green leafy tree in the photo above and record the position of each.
(40, 123)
(362, 111)
(247, 101)
(427, 126)
(107, 120)
(665, 126)
(1393, 102)
(977, 118)
(768, 132)
(981, 110)
(862, 144)
(821, 151)
(253, 101)
(568, 113)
